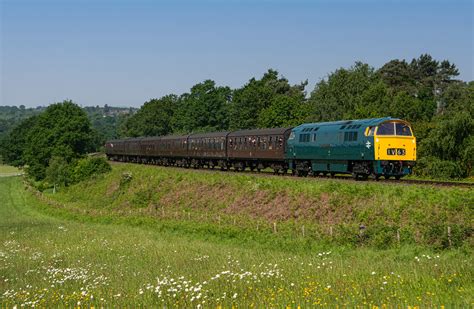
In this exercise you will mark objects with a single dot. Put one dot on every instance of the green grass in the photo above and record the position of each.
(55, 255)
(6, 170)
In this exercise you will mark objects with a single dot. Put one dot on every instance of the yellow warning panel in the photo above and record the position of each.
(400, 148)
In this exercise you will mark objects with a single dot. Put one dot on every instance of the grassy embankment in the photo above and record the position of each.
(6, 170)
(105, 243)
(277, 211)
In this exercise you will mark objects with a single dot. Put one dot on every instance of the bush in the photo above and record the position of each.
(58, 172)
(89, 167)
(436, 168)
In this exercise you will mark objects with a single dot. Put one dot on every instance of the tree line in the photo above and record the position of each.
(423, 91)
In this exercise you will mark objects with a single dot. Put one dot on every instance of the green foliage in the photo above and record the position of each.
(204, 109)
(252, 104)
(411, 108)
(89, 167)
(14, 145)
(448, 150)
(284, 111)
(433, 167)
(58, 172)
(153, 118)
(342, 93)
(62, 130)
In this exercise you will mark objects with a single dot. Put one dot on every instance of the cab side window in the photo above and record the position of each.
(370, 131)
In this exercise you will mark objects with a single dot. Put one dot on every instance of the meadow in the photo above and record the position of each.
(6, 170)
(104, 243)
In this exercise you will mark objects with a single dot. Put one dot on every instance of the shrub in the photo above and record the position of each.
(437, 168)
(88, 167)
(58, 172)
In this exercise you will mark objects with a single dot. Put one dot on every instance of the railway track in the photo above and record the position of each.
(336, 177)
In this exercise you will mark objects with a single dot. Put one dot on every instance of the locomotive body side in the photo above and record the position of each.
(350, 147)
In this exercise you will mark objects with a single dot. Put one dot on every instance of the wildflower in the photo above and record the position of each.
(373, 273)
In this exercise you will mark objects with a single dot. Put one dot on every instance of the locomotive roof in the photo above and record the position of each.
(362, 122)
(275, 131)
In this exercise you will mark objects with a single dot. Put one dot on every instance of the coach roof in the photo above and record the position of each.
(276, 131)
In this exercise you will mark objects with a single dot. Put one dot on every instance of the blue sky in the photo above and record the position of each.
(123, 53)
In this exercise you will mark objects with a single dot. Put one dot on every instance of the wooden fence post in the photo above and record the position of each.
(449, 237)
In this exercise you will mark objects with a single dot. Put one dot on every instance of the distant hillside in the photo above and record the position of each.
(105, 119)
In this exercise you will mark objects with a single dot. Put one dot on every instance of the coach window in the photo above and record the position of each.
(280, 142)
